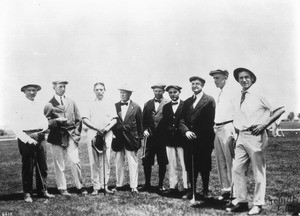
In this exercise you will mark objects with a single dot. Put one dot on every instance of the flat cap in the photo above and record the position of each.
(60, 82)
(125, 87)
(31, 85)
(239, 70)
(159, 85)
(173, 86)
(224, 72)
(197, 78)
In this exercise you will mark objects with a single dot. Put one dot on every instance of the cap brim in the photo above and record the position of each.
(239, 70)
(38, 88)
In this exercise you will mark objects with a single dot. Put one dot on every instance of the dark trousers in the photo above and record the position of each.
(32, 154)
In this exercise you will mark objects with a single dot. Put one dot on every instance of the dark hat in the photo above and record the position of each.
(173, 86)
(159, 85)
(125, 88)
(197, 78)
(31, 85)
(60, 82)
(238, 70)
(224, 72)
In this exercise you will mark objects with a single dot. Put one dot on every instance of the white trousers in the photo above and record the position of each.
(223, 143)
(59, 153)
(132, 165)
(96, 163)
(173, 153)
(248, 149)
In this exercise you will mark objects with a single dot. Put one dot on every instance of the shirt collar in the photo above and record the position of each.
(199, 95)
(57, 97)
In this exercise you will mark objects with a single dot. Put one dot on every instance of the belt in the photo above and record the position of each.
(224, 123)
(33, 131)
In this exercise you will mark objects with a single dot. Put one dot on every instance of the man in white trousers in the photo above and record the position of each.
(65, 129)
(173, 139)
(224, 132)
(100, 117)
(128, 134)
(251, 118)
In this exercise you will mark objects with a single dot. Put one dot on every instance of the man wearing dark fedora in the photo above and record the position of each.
(173, 139)
(29, 127)
(196, 124)
(128, 133)
(65, 129)
(152, 115)
(224, 132)
(251, 118)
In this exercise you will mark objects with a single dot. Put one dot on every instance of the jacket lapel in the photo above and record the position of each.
(129, 110)
(200, 103)
(56, 104)
(161, 104)
(119, 112)
(179, 108)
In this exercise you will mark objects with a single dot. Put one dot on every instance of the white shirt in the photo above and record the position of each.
(254, 110)
(224, 106)
(28, 116)
(175, 106)
(100, 113)
(124, 109)
(60, 98)
(156, 104)
(198, 97)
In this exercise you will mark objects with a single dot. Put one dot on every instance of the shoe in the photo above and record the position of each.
(171, 191)
(134, 191)
(27, 198)
(64, 193)
(206, 194)
(95, 192)
(161, 189)
(224, 196)
(82, 191)
(240, 207)
(145, 187)
(188, 195)
(107, 191)
(255, 210)
(45, 194)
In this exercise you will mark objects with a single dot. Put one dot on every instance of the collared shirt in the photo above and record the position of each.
(198, 97)
(254, 110)
(225, 106)
(60, 98)
(28, 116)
(100, 113)
(156, 104)
(175, 106)
(124, 109)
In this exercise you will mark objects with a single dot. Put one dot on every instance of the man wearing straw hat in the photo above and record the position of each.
(29, 127)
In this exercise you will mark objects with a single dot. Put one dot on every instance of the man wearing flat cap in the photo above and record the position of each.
(224, 132)
(29, 126)
(251, 118)
(152, 115)
(196, 124)
(173, 139)
(128, 133)
(65, 128)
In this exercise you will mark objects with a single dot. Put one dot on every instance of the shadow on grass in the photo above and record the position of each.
(210, 203)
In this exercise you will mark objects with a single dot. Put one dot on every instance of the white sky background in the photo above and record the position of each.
(144, 42)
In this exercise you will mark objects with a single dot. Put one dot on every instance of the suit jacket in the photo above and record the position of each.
(128, 133)
(72, 127)
(151, 118)
(199, 120)
(170, 125)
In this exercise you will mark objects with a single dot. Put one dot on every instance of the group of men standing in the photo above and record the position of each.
(171, 129)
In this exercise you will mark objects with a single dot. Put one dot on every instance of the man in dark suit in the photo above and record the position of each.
(128, 133)
(65, 128)
(173, 138)
(196, 124)
(152, 114)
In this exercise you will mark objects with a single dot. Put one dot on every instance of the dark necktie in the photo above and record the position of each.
(125, 103)
(174, 103)
(243, 97)
(157, 100)
(61, 101)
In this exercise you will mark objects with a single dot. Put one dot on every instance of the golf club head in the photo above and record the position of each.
(192, 201)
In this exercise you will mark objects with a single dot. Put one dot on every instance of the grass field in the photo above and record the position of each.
(283, 188)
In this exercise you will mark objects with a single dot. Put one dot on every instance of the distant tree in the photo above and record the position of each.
(291, 116)
(298, 115)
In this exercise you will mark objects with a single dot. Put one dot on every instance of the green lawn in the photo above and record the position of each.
(283, 186)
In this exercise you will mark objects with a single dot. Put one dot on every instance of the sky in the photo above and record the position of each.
(141, 43)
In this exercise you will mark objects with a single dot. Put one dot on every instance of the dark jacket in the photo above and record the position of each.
(128, 133)
(72, 127)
